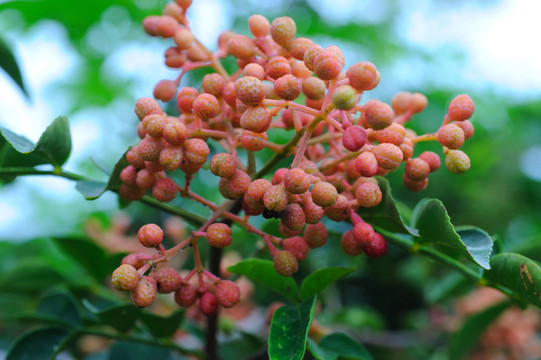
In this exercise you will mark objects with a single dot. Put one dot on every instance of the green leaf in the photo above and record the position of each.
(39, 344)
(120, 316)
(31, 275)
(85, 253)
(162, 326)
(344, 346)
(126, 350)
(517, 273)
(434, 225)
(320, 279)
(62, 305)
(465, 338)
(319, 353)
(53, 147)
(92, 190)
(289, 330)
(263, 272)
(386, 214)
(241, 348)
(10, 66)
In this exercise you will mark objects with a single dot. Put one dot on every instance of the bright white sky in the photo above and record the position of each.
(501, 43)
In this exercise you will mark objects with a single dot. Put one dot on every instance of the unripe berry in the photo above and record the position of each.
(208, 303)
(324, 194)
(350, 245)
(327, 66)
(378, 115)
(413, 185)
(467, 127)
(144, 294)
(354, 138)
(175, 133)
(275, 198)
(393, 134)
(416, 169)
(223, 165)
(206, 106)
(167, 280)
(165, 90)
(297, 246)
(288, 87)
(254, 70)
(296, 181)
(451, 136)
(389, 156)
(196, 151)
(249, 90)
(257, 188)
(149, 149)
(128, 175)
(461, 108)
(252, 141)
(368, 195)
(314, 88)
(185, 99)
(432, 159)
(150, 235)
(130, 192)
(366, 164)
(339, 211)
(219, 235)
(285, 263)
(241, 47)
(310, 55)
(277, 67)
(313, 213)
(315, 235)
(457, 161)
(344, 97)
(125, 278)
(235, 186)
(293, 217)
(259, 25)
(363, 76)
(171, 157)
(256, 119)
(283, 30)
(165, 190)
(227, 293)
(299, 46)
(213, 84)
(146, 106)
(186, 294)
(376, 247)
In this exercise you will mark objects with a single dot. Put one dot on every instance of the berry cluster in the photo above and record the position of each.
(338, 145)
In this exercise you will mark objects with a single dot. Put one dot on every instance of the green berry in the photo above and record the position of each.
(457, 161)
(285, 263)
(344, 97)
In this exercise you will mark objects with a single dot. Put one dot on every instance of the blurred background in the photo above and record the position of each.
(92, 61)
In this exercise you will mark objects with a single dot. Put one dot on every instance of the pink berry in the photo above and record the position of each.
(165, 190)
(368, 195)
(315, 235)
(354, 138)
(461, 108)
(350, 245)
(208, 303)
(150, 235)
(144, 294)
(168, 280)
(324, 194)
(219, 235)
(235, 186)
(297, 246)
(125, 278)
(227, 293)
(186, 294)
(206, 106)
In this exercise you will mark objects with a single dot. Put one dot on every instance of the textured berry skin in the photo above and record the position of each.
(285, 263)
(255, 70)
(279, 176)
(378, 115)
(229, 94)
(252, 141)
(287, 232)
(407, 148)
(368, 195)
(175, 133)
(414, 186)
(186, 294)
(324, 194)
(366, 164)
(432, 159)
(293, 217)
(150, 235)
(277, 67)
(297, 246)
(327, 66)
(219, 235)
(227, 293)
(362, 232)
(457, 161)
(339, 211)
(393, 134)
(344, 97)
(288, 87)
(241, 47)
(299, 46)
(165, 90)
(134, 159)
(213, 84)
(223, 165)
(235, 186)
(257, 188)
(275, 198)
(363, 76)
(451, 136)
(165, 190)
(252, 207)
(310, 55)
(206, 106)
(389, 156)
(259, 25)
(354, 138)
(144, 294)
(296, 181)
(315, 235)
(168, 280)
(283, 30)
(461, 108)
(467, 127)
(313, 213)
(185, 99)
(376, 246)
(171, 157)
(196, 151)
(125, 278)
(149, 149)
(314, 88)
(145, 179)
(256, 119)
(417, 169)
(208, 303)
(350, 245)
(137, 260)
(249, 90)
(128, 175)
(146, 106)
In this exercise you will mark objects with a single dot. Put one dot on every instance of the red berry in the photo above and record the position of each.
(461, 108)
(241, 47)
(196, 151)
(175, 133)
(150, 235)
(219, 235)
(339, 211)
(144, 294)
(227, 293)
(293, 217)
(185, 99)
(297, 246)
(128, 175)
(249, 90)
(171, 157)
(223, 165)
(366, 164)
(389, 156)
(208, 303)
(417, 169)
(393, 134)
(368, 195)
(315, 235)
(324, 194)
(327, 66)
(165, 90)
(168, 280)
(186, 295)
(206, 106)
(432, 159)
(277, 67)
(451, 136)
(363, 76)
(297, 181)
(312, 212)
(283, 30)
(314, 88)
(149, 149)
(213, 84)
(354, 138)
(350, 245)
(378, 115)
(256, 119)
(252, 141)
(259, 25)
(235, 186)
(165, 190)
(288, 87)
(146, 106)
(376, 246)
(413, 185)
(299, 46)
(137, 260)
